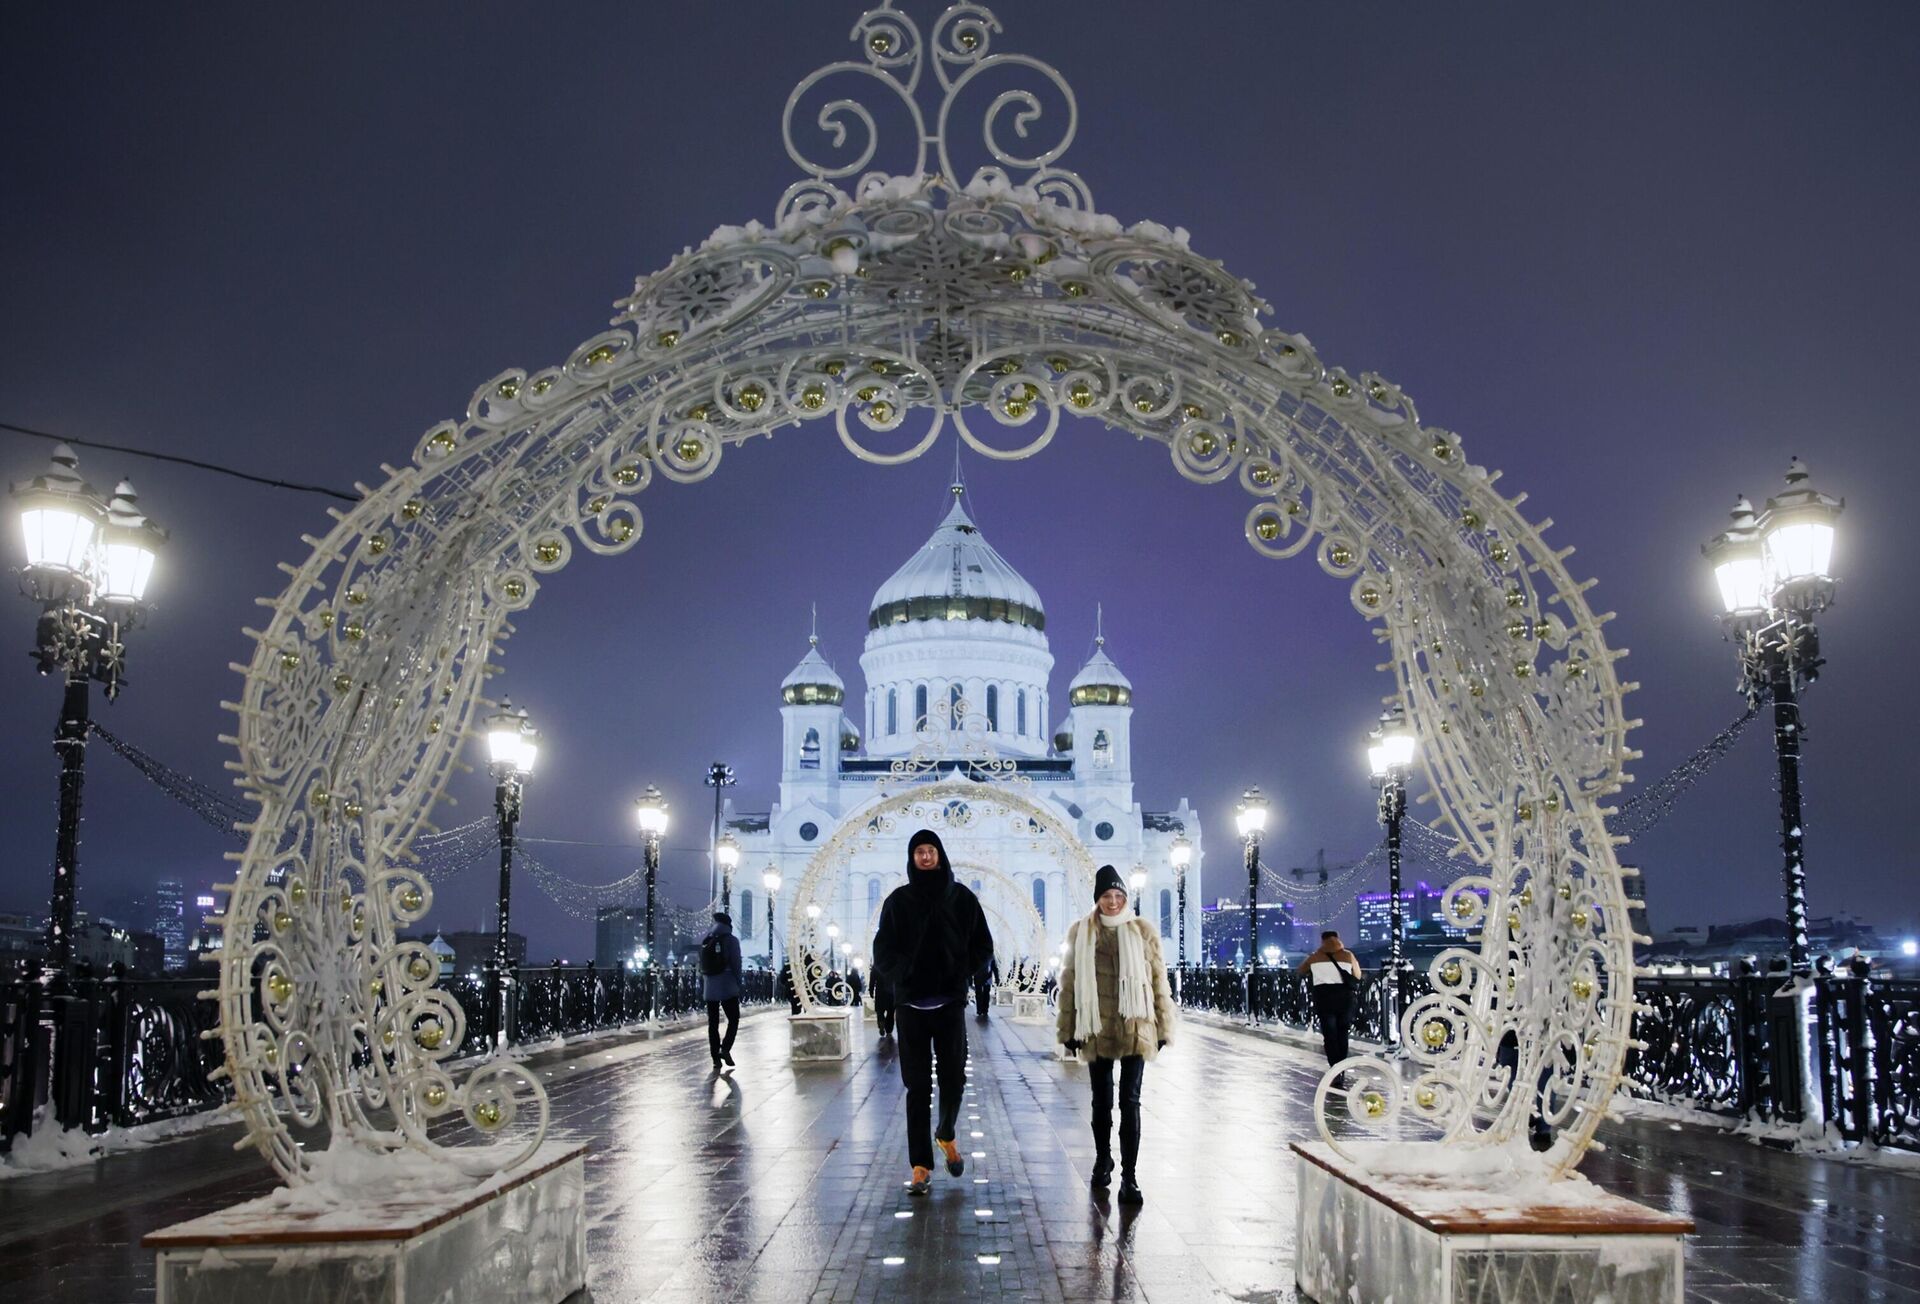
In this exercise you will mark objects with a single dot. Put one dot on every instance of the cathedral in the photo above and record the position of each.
(957, 674)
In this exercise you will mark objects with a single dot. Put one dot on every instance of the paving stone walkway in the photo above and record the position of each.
(784, 1183)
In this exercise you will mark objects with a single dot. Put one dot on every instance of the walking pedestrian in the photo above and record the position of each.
(931, 942)
(720, 982)
(1115, 1006)
(1334, 972)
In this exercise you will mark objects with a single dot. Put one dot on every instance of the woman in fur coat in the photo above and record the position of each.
(1115, 1005)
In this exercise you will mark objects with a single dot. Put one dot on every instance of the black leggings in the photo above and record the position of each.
(924, 1038)
(1133, 1069)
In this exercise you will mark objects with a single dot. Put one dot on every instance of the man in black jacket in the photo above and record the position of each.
(933, 940)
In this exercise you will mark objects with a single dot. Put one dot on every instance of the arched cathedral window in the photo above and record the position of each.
(920, 708)
(893, 711)
(1040, 898)
(873, 896)
(1102, 749)
(993, 708)
(1020, 713)
(953, 706)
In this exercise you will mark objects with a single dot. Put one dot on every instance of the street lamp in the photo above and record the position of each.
(770, 880)
(1139, 881)
(1774, 573)
(512, 745)
(727, 852)
(1272, 953)
(719, 778)
(1250, 817)
(88, 565)
(651, 810)
(1180, 854)
(1390, 751)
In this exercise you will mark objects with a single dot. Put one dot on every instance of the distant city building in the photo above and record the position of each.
(956, 626)
(1425, 924)
(1223, 932)
(168, 921)
(620, 934)
(469, 950)
(23, 941)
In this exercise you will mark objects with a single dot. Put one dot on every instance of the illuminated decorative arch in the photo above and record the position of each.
(991, 299)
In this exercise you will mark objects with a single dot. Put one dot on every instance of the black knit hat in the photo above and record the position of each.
(1106, 880)
(722, 917)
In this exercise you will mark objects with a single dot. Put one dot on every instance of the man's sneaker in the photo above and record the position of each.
(922, 1181)
(951, 1149)
(1130, 1192)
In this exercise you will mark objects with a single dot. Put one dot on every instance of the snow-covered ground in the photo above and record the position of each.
(48, 1148)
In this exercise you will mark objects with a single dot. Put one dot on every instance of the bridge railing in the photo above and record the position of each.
(1749, 1046)
(128, 1050)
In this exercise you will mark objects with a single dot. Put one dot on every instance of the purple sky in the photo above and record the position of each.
(1636, 254)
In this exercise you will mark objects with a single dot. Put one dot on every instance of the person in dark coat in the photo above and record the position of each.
(932, 941)
(1332, 990)
(882, 992)
(720, 983)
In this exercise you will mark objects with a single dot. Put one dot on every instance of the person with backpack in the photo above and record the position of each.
(932, 940)
(1334, 973)
(720, 982)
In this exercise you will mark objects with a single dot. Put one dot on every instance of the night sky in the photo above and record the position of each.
(1637, 254)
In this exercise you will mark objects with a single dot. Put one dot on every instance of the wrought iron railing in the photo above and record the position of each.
(129, 1050)
(1282, 996)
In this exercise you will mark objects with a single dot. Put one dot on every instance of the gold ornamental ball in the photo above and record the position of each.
(326, 620)
(352, 809)
(602, 354)
(1515, 598)
(1293, 506)
(411, 898)
(867, 393)
(1518, 629)
(1590, 1048)
(881, 411)
(1513, 920)
(1060, 362)
(1229, 338)
(435, 1095)
(320, 799)
(833, 366)
(1512, 984)
(376, 987)
(430, 1034)
(1478, 687)
(1576, 667)
(289, 660)
(1341, 388)
(1526, 895)
(969, 39)
(1525, 810)
(699, 412)
(342, 682)
(667, 339)
(508, 389)
(1463, 907)
(1016, 408)
(1523, 669)
(418, 969)
(270, 1053)
(626, 473)
(750, 398)
(1193, 411)
(354, 630)
(389, 1038)
(515, 589)
(1583, 987)
(346, 901)
(1373, 1104)
(1287, 350)
(813, 397)
(880, 42)
(1451, 972)
(1551, 801)
(298, 892)
(818, 289)
(412, 508)
(543, 384)
(1202, 443)
(1370, 597)
(1261, 473)
(1143, 404)
(1377, 391)
(1007, 366)
(357, 596)
(1471, 519)
(282, 921)
(547, 551)
(1426, 1097)
(688, 449)
(1442, 449)
(280, 986)
(1340, 555)
(1267, 528)
(442, 442)
(376, 544)
(1075, 289)
(621, 530)
(488, 1114)
(1566, 891)
(1029, 392)
(1500, 553)
(1080, 394)
(1579, 918)
(1017, 273)
(597, 504)
(1434, 1033)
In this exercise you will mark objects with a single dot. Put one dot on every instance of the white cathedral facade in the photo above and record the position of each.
(957, 627)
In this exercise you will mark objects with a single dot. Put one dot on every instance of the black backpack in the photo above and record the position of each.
(713, 955)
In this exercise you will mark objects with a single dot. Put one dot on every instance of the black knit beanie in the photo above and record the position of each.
(1106, 880)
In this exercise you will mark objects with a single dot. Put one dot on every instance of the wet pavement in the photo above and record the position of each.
(785, 1183)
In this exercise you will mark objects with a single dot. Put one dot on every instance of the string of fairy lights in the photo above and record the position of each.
(1323, 891)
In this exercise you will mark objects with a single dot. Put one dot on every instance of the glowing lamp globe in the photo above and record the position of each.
(1250, 815)
(1393, 746)
(1180, 852)
(1798, 531)
(60, 517)
(728, 851)
(651, 810)
(1739, 564)
(771, 880)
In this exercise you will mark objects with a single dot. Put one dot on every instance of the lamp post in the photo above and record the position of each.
(1250, 817)
(651, 811)
(771, 881)
(512, 745)
(1774, 572)
(1139, 881)
(88, 565)
(1390, 751)
(1180, 855)
(727, 852)
(719, 778)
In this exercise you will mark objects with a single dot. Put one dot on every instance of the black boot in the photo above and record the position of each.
(1130, 1191)
(1129, 1151)
(1102, 1152)
(1102, 1170)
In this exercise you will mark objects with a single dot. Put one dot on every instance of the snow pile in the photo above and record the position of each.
(1492, 1179)
(48, 1148)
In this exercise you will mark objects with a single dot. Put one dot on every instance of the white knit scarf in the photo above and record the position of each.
(1136, 984)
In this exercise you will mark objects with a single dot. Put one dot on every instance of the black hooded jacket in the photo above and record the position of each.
(933, 935)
